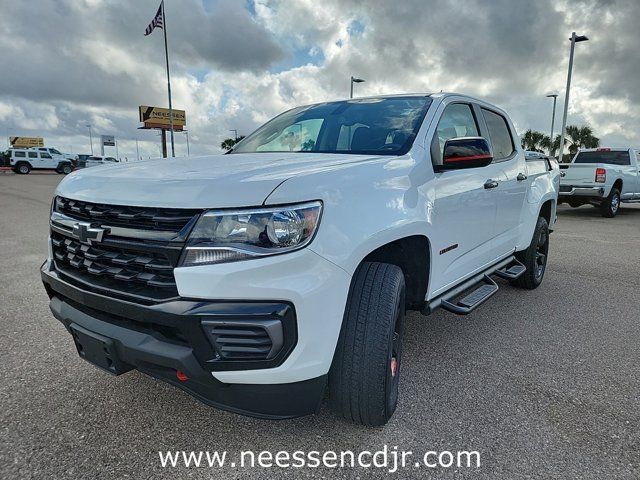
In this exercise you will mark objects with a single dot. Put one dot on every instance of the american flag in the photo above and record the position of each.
(156, 22)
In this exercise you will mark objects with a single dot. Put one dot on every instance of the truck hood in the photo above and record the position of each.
(215, 181)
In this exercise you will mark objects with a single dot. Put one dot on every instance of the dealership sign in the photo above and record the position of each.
(108, 140)
(26, 142)
(156, 117)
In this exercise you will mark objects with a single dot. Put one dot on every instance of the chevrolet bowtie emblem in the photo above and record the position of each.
(86, 233)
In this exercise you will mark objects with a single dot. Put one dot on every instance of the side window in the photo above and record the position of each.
(457, 121)
(44, 155)
(33, 154)
(499, 134)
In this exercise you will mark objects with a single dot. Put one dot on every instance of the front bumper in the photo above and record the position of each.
(167, 338)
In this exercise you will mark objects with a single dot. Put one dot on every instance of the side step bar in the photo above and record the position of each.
(472, 301)
(509, 269)
(512, 271)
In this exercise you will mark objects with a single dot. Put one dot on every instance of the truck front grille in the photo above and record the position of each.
(145, 218)
(134, 258)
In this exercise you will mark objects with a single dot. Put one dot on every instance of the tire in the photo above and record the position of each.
(66, 169)
(23, 168)
(365, 373)
(611, 205)
(534, 257)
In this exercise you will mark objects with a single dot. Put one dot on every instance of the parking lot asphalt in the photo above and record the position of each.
(543, 383)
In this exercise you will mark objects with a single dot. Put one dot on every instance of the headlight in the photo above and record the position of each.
(228, 236)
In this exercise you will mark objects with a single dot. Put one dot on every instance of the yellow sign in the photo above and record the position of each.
(158, 117)
(26, 142)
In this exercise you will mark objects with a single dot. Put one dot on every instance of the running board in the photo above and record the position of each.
(484, 288)
(512, 271)
(473, 300)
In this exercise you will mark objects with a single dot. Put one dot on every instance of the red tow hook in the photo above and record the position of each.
(181, 376)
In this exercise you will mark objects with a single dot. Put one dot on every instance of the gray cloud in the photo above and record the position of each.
(87, 61)
(95, 53)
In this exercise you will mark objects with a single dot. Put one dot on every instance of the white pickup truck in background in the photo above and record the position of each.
(603, 177)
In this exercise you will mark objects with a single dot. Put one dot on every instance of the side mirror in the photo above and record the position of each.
(466, 152)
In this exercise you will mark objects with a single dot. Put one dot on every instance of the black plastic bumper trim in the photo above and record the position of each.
(161, 360)
(183, 316)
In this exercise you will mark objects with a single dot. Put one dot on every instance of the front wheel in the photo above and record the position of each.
(534, 257)
(66, 169)
(23, 168)
(365, 374)
(611, 204)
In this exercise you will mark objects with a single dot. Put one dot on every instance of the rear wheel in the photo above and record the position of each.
(534, 257)
(611, 204)
(365, 374)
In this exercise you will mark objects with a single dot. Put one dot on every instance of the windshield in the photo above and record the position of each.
(620, 157)
(378, 126)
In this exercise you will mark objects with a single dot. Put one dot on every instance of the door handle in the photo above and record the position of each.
(490, 184)
(521, 177)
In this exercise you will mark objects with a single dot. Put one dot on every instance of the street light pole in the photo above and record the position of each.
(90, 138)
(354, 80)
(574, 39)
(186, 132)
(553, 118)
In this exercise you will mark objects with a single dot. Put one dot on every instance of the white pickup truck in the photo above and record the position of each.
(603, 177)
(259, 279)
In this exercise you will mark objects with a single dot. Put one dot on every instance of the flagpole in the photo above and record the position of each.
(166, 54)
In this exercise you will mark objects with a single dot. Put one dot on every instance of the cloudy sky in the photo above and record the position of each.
(237, 63)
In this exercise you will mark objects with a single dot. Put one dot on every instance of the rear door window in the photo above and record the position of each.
(499, 134)
(33, 154)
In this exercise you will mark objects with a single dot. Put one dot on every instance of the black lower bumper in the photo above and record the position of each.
(121, 326)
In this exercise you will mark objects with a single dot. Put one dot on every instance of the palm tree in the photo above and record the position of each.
(546, 144)
(533, 140)
(229, 143)
(581, 137)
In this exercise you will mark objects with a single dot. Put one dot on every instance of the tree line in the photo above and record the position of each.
(575, 138)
